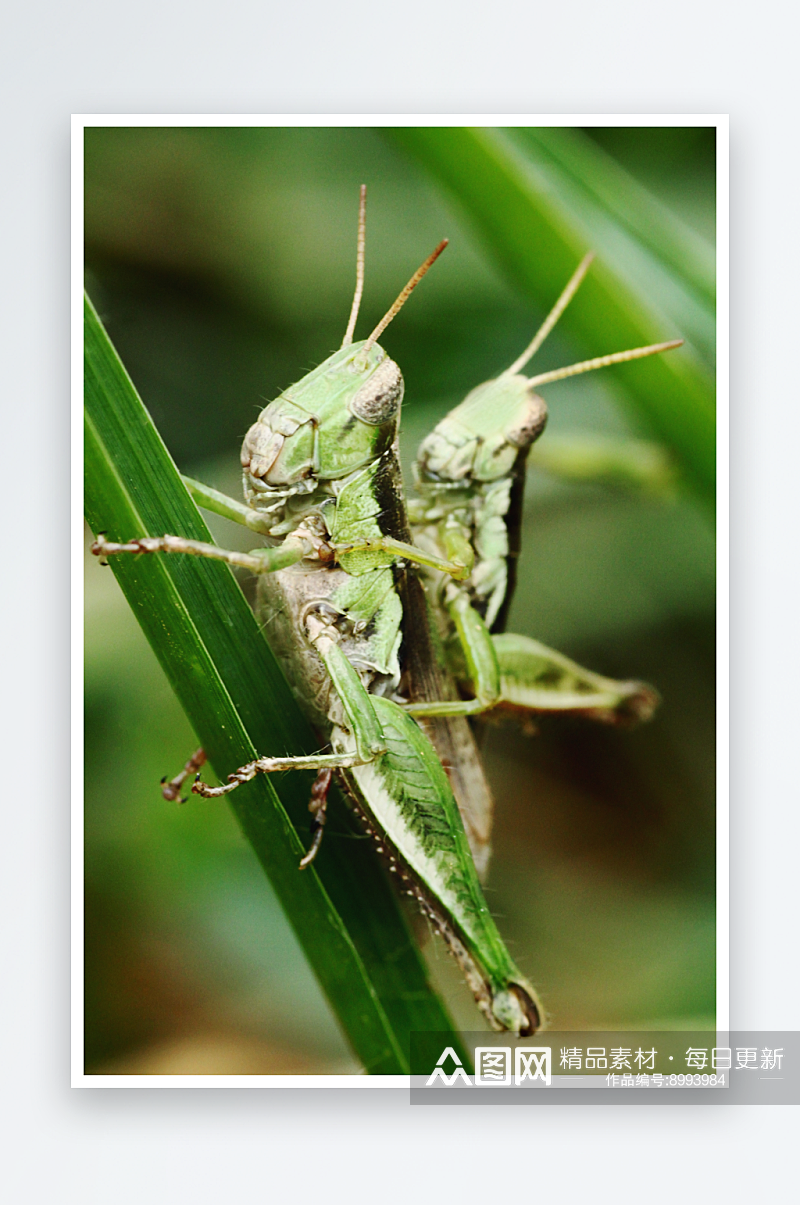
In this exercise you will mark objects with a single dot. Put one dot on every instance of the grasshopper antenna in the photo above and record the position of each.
(618, 357)
(403, 297)
(553, 317)
(362, 242)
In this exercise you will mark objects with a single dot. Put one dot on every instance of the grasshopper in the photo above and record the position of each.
(363, 617)
(469, 478)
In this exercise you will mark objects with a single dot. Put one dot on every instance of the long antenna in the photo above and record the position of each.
(403, 297)
(553, 317)
(362, 242)
(618, 357)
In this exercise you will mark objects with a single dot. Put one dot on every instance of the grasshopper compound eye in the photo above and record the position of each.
(529, 423)
(379, 400)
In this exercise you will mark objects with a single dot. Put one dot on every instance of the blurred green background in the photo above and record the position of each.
(222, 263)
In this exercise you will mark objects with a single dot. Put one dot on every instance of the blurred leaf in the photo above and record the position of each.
(207, 640)
(630, 229)
(538, 223)
(680, 247)
(633, 464)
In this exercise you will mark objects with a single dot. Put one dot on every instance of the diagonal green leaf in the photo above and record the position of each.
(690, 256)
(192, 611)
(534, 209)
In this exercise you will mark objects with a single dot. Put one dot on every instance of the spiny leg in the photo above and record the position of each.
(535, 678)
(220, 504)
(458, 569)
(270, 560)
(269, 765)
(366, 733)
(363, 724)
(260, 560)
(482, 668)
(319, 812)
(172, 790)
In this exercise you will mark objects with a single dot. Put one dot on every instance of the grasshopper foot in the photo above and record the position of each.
(172, 790)
(234, 780)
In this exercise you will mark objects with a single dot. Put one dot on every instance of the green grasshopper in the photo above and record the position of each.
(359, 635)
(469, 478)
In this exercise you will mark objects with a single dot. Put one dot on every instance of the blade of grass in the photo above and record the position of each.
(610, 224)
(687, 253)
(514, 202)
(192, 611)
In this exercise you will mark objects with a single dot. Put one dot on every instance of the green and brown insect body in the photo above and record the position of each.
(402, 795)
(352, 599)
(469, 475)
(321, 461)
(338, 629)
(400, 792)
(469, 478)
(411, 808)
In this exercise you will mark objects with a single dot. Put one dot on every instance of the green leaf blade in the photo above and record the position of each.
(687, 253)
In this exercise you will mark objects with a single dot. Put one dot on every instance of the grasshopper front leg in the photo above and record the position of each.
(260, 560)
(220, 504)
(301, 543)
(297, 544)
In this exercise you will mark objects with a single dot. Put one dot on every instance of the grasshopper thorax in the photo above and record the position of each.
(482, 438)
(337, 419)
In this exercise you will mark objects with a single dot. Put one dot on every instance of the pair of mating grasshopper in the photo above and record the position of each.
(388, 616)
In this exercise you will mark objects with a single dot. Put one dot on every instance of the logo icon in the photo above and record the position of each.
(492, 1066)
(458, 1069)
(532, 1062)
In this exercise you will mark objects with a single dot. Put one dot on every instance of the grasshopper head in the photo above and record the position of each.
(339, 418)
(482, 438)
